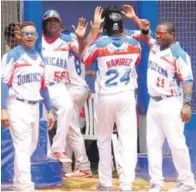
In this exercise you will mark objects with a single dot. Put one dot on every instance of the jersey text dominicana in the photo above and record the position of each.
(167, 70)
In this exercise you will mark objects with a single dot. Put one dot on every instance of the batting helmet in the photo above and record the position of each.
(51, 14)
(113, 21)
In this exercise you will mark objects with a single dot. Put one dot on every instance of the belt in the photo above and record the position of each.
(53, 83)
(159, 98)
(28, 102)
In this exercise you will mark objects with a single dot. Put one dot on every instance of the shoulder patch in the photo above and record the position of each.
(132, 41)
(177, 51)
(15, 54)
(66, 36)
(102, 41)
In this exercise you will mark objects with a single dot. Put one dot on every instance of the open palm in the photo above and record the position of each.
(81, 28)
(128, 11)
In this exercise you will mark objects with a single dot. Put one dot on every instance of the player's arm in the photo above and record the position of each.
(7, 73)
(141, 35)
(139, 55)
(90, 54)
(184, 73)
(95, 30)
(80, 32)
(90, 73)
(47, 102)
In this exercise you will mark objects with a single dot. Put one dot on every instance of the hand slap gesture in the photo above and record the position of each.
(128, 12)
(81, 28)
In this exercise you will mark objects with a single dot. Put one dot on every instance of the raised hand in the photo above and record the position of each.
(145, 24)
(98, 20)
(128, 12)
(97, 16)
(81, 28)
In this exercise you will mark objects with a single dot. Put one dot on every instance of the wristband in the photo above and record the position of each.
(187, 98)
(145, 32)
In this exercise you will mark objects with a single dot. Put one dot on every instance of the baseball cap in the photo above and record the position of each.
(51, 14)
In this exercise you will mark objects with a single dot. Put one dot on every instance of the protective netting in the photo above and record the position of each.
(11, 12)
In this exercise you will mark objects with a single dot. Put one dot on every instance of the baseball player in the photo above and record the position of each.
(79, 92)
(23, 86)
(116, 56)
(169, 81)
(56, 49)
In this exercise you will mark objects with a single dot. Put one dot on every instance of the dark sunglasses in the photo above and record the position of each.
(29, 33)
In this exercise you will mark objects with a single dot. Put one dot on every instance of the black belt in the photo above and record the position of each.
(53, 83)
(26, 101)
(159, 98)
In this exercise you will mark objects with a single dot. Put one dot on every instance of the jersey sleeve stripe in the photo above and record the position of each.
(179, 74)
(43, 83)
(105, 52)
(9, 82)
(22, 65)
(42, 65)
(165, 59)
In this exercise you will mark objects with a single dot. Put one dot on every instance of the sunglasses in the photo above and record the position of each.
(161, 33)
(29, 33)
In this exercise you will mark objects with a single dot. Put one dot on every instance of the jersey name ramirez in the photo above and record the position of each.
(118, 62)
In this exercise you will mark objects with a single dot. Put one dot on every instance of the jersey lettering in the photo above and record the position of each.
(28, 78)
(58, 62)
(154, 66)
(113, 81)
(118, 62)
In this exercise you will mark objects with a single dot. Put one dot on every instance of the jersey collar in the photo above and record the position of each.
(50, 41)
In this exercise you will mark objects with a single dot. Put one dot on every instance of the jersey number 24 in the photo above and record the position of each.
(113, 81)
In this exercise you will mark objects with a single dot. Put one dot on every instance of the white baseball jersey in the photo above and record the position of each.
(62, 64)
(115, 58)
(167, 70)
(23, 71)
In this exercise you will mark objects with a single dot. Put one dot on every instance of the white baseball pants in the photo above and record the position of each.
(24, 129)
(119, 108)
(75, 141)
(62, 103)
(163, 120)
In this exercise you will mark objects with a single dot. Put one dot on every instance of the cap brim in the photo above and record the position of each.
(53, 17)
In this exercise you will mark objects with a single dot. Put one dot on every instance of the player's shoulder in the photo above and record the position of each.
(15, 53)
(102, 41)
(177, 51)
(131, 32)
(68, 36)
(131, 41)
